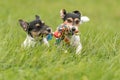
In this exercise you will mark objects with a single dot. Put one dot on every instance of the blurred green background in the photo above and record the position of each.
(100, 38)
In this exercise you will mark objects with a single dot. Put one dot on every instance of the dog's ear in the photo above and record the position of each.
(62, 13)
(23, 24)
(37, 17)
(77, 12)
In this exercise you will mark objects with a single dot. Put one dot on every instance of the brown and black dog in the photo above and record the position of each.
(68, 31)
(36, 31)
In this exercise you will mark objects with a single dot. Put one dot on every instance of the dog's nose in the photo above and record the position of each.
(49, 30)
(73, 29)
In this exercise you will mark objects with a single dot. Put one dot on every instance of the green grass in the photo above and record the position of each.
(100, 57)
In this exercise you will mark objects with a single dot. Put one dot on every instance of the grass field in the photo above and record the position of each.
(100, 57)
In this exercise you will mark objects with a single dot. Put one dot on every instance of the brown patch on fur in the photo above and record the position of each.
(35, 34)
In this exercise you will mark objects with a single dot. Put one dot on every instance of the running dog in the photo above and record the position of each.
(68, 31)
(36, 31)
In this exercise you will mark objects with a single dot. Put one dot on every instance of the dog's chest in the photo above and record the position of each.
(29, 41)
(75, 40)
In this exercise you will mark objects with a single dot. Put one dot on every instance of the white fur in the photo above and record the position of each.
(30, 42)
(84, 19)
(75, 42)
(45, 41)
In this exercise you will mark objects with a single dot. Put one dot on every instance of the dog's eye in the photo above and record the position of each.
(69, 21)
(77, 22)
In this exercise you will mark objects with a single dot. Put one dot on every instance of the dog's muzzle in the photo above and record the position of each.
(49, 30)
(74, 29)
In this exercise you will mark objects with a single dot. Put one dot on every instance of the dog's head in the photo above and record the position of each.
(72, 20)
(35, 28)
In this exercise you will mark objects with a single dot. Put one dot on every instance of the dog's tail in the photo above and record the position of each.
(84, 19)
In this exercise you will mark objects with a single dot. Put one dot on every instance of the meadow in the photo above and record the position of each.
(100, 56)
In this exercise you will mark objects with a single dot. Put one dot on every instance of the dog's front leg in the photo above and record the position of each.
(46, 42)
(79, 48)
(75, 42)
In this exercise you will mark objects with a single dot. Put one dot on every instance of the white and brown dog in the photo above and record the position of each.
(68, 31)
(36, 31)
